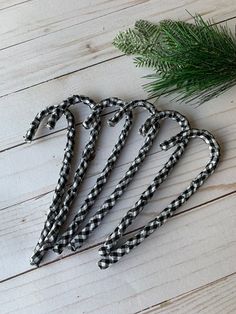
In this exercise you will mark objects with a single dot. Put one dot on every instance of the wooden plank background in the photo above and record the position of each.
(50, 50)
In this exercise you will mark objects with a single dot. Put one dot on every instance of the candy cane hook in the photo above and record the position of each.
(102, 178)
(113, 254)
(151, 127)
(89, 201)
(54, 113)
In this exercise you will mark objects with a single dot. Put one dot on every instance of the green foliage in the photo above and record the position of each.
(196, 61)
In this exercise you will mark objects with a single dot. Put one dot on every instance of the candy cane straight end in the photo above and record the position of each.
(102, 251)
(57, 249)
(114, 254)
(103, 263)
(73, 246)
(67, 236)
(34, 262)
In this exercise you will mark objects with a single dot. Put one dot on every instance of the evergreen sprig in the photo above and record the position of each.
(196, 61)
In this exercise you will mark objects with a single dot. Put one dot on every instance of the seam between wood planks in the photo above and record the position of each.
(149, 154)
(16, 4)
(185, 294)
(49, 134)
(110, 111)
(126, 233)
(62, 75)
(80, 23)
(89, 176)
(67, 27)
(85, 67)
(51, 191)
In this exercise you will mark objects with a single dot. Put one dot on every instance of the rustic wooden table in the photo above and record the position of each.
(50, 50)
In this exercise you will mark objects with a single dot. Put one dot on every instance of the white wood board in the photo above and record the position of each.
(50, 50)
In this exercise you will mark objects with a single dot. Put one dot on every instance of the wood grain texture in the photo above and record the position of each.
(26, 225)
(191, 250)
(25, 104)
(7, 4)
(50, 50)
(58, 15)
(213, 298)
(112, 74)
(90, 43)
(37, 161)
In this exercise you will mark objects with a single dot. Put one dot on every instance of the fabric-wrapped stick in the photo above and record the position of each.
(83, 211)
(110, 251)
(151, 127)
(102, 178)
(55, 113)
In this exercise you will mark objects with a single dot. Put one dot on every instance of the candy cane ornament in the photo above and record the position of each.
(152, 125)
(65, 169)
(83, 211)
(113, 254)
(55, 113)
(102, 178)
(63, 200)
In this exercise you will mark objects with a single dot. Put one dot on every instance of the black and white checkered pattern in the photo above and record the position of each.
(91, 197)
(102, 178)
(63, 200)
(54, 113)
(153, 124)
(113, 254)
(93, 120)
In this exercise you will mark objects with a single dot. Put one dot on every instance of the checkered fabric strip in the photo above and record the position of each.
(159, 179)
(130, 107)
(102, 178)
(133, 168)
(55, 113)
(91, 197)
(92, 121)
(95, 221)
(65, 169)
(112, 254)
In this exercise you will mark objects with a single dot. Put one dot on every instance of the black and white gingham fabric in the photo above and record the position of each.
(111, 253)
(102, 178)
(63, 200)
(54, 113)
(93, 121)
(90, 199)
(153, 124)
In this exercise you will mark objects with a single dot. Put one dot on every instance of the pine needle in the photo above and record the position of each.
(196, 61)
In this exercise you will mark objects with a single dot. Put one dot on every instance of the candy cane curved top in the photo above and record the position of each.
(111, 253)
(90, 199)
(54, 113)
(92, 121)
(152, 122)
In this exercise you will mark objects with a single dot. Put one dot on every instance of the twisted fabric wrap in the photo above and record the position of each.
(111, 253)
(152, 126)
(55, 113)
(63, 200)
(70, 235)
(102, 178)
(51, 230)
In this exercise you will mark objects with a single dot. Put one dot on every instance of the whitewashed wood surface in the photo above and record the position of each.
(49, 50)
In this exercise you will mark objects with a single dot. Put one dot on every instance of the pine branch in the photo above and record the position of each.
(196, 61)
